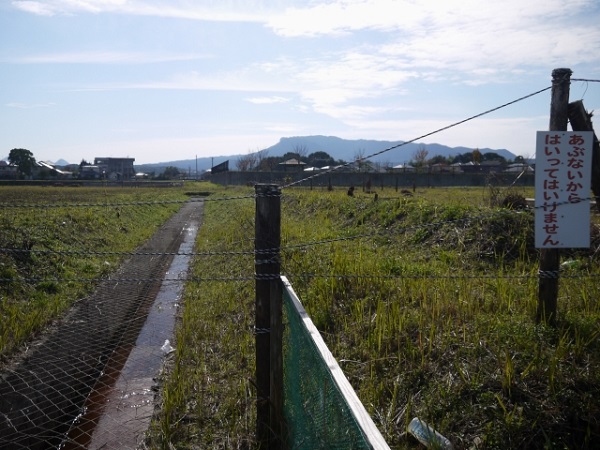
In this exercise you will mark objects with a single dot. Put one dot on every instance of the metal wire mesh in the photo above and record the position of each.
(87, 381)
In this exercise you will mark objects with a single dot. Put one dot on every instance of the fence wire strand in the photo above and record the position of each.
(389, 232)
(46, 396)
(431, 133)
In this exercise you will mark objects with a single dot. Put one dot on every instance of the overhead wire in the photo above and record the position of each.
(282, 248)
(439, 130)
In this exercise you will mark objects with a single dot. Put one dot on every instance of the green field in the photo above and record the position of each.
(57, 241)
(427, 301)
(430, 314)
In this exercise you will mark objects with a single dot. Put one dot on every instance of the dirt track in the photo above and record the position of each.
(42, 395)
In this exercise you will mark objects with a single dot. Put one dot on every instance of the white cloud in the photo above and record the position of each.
(100, 57)
(340, 17)
(418, 17)
(249, 79)
(458, 35)
(38, 8)
(267, 100)
(238, 10)
(454, 35)
(457, 41)
(410, 42)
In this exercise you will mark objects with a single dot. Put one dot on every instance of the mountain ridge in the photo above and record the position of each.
(395, 152)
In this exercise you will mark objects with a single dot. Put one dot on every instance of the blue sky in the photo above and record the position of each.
(163, 80)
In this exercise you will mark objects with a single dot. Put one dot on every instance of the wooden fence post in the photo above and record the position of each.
(267, 267)
(550, 257)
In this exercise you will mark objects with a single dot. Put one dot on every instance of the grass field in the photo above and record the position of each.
(431, 314)
(55, 241)
(427, 301)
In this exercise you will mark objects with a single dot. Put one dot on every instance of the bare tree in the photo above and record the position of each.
(420, 156)
(387, 166)
(301, 151)
(359, 159)
(246, 162)
(242, 164)
(260, 156)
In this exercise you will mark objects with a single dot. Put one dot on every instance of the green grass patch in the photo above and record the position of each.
(55, 242)
(207, 400)
(428, 303)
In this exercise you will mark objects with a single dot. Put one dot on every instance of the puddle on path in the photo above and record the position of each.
(119, 410)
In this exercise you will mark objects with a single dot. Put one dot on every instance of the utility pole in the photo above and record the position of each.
(550, 257)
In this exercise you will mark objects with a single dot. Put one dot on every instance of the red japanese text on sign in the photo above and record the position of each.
(562, 184)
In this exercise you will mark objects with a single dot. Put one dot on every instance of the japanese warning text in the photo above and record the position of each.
(562, 189)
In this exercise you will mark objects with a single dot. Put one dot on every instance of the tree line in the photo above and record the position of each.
(26, 164)
(260, 161)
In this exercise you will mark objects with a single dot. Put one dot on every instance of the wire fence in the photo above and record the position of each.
(85, 380)
(254, 256)
(423, 136)
(56, 392)
(85, 377)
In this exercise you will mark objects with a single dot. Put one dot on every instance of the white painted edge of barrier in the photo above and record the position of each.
(363, 419)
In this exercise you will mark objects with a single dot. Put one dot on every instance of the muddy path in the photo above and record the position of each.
(49, 390)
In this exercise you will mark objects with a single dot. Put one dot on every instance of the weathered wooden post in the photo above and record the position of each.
(269, 368)
(550, 257)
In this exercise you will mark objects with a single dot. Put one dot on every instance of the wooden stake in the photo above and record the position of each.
(267, 267)
(550, 257)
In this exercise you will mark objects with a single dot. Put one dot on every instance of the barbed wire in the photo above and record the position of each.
(441, 223)
(91, 205)
(293, 247)
(586, 80)
(192, 279)
(386, 231)
(148, 203)
(540, 274)
(439, 130)
(132, 253)
(117, 280)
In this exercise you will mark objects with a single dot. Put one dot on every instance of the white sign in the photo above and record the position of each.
(563, 164)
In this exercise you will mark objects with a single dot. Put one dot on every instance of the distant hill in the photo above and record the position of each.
(339, 149)
(347, 149)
